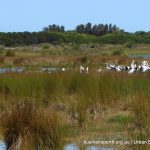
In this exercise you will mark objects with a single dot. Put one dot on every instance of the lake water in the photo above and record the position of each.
(21, 69)
(52, 70)
(67, 147)
(139, 56)
(71, 147)
(75, 147)
(2, 145)
(5, 70)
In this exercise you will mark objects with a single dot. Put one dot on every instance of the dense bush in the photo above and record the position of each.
(117, 52)
(10, 53)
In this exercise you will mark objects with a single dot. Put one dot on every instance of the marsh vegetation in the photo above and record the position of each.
(48, 110)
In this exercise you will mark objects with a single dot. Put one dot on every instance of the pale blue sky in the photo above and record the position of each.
(33, 15)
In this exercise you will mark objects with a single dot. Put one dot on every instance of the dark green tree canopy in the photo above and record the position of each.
(97, 30)
(84, 33)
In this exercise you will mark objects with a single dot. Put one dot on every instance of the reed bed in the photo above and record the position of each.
(28, 126)
(30, 104)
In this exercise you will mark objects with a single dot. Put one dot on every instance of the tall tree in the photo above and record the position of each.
(62, 29)
(88, 28)
(80, 28)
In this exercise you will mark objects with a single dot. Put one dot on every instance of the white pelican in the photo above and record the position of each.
(133, 66)
(82, 69)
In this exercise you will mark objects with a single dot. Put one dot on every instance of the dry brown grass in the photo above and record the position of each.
(25, 125)
(99, 104)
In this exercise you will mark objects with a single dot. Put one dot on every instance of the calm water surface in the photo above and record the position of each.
(66, 147)
(140, 56)
(75, 147)
(2, 145)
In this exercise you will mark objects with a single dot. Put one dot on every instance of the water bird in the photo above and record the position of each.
(110, 66)
(63, 69)
(99, 70)
(87, 70)
(144, 66)
(82, 69)
(133, 67)
(131, 70)
(118, 68)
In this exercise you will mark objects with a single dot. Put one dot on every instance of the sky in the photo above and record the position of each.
(33, 15)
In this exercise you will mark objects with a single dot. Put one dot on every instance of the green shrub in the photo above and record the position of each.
(83, 59)
(129, 44)
(120, 119)
(46, 46)
(10, 53)
(117, 52)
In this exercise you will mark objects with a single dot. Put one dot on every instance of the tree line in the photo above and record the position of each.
(96, 30)
(54, 28)
(101, 33)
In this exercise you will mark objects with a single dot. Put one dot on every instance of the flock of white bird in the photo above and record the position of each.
(143, 67)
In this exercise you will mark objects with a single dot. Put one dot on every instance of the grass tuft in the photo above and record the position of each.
(27, 125)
